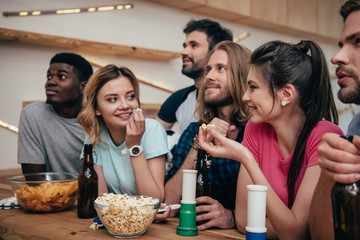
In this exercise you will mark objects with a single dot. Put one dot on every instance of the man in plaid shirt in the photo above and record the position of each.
(219, 104)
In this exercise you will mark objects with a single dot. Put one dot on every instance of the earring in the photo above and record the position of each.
(283, 103)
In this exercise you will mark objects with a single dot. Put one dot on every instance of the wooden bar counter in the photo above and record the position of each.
(19, 224)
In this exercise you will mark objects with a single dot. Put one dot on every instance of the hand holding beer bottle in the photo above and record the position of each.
(346, 209)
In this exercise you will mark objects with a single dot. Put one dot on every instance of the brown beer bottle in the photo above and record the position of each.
(88, 186)
(346, 209)
(203, 185)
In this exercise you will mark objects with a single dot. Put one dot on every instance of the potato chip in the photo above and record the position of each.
(47, 197)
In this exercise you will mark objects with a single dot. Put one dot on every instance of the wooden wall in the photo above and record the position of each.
(313, 19)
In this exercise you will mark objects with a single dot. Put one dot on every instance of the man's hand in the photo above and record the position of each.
(339, 159)
(222, 126)
(213, 211)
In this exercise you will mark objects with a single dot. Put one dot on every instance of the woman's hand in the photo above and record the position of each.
(221, 146)
(162, 216)
(135, 128)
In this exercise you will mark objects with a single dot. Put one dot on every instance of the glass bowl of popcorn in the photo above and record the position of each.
(45, 192)
(126, 216)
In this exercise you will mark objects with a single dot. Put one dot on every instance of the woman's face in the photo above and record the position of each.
(259, 98)
(116, 101)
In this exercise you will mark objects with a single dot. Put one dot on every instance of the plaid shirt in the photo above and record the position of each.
(222, 173)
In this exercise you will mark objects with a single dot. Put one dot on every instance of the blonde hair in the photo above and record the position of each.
(87, 117)
(238, 69)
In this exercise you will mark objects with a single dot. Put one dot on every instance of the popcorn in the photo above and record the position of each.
(137, 110)
(125, 215)
(204, 126)
(94, 226)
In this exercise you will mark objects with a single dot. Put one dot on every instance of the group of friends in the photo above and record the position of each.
(271, 119)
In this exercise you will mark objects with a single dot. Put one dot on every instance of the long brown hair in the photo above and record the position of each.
(304, 66)
(238, 69)
(87, 117)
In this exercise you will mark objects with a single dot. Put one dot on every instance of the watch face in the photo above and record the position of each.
(135, 150)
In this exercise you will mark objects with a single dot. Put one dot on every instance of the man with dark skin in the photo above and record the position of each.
(50, 137)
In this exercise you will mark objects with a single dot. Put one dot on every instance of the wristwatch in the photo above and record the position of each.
(135, 150)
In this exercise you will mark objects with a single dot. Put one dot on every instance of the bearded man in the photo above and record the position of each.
(201, 37)
(220, 104)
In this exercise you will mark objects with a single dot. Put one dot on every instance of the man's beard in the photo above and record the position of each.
(220, 101)
(346, 94)
(351, 96)
(195, 72)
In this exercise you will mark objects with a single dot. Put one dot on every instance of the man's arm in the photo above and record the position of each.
(173, 188)
(320, 219)
(167, 113)
(183, 158)
(166, 125)
(30, 154)
(339, 161)
(32, 168)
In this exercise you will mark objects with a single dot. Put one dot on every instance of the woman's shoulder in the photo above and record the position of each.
(325, 126)
(153, 126)
(150, 122)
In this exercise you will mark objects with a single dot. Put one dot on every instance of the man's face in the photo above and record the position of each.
(216, 80)
(194, 54)
(348, 60)
(62, 86)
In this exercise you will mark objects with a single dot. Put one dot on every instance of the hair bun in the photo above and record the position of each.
(303, 47)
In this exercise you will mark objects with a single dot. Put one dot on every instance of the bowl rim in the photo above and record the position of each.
(16, 179)
(99, 205)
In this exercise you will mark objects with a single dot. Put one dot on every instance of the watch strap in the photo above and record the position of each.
(135, 150)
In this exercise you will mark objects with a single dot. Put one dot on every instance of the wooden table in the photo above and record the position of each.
(19, 224)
